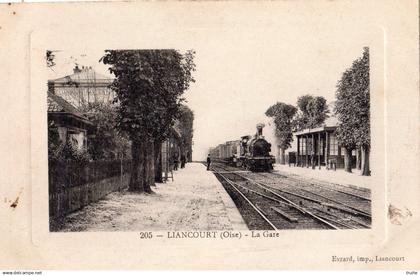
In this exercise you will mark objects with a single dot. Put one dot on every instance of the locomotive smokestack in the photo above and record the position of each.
(260, 127)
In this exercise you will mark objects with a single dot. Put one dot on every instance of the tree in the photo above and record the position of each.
(283, 115)
(318, 110)
(49, 58)
(186, 126)
(106, 142)
(353, 111)
(313, 110)
(53, 140)
(149, 85)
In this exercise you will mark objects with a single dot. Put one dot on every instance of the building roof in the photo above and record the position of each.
(85, 75)
(57, 105)
(329, 124)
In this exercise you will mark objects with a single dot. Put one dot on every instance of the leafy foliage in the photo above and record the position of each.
(186, 126)
(282, 114)
(59, 151)
(313, 110)
(53, 139)
(106, 142)
(49, 57)
(353, 104)
(149, 85)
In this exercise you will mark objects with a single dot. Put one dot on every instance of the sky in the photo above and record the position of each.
(242, 73)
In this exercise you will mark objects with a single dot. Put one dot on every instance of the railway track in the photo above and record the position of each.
(271, 202)
(329, 193)
(359, 192)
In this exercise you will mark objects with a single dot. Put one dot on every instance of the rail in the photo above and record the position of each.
(231, 183)
(287, 201)
(327, 218)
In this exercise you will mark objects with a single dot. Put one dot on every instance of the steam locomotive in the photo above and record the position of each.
(251, 152)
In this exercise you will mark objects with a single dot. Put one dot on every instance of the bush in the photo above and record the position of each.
(106, 142)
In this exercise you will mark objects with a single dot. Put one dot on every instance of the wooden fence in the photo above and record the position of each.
(72, 185)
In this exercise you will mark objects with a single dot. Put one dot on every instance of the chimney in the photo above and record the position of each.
(260, 127)
(76, 69)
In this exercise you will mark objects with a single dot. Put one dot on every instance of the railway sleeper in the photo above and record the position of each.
(262, 195)
(292, 204)
(341, 219)
(303, 210)
(283, 214)
(345, 209)
(338, 221)
(335, 216)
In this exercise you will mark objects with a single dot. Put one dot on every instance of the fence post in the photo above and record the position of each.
(121, 172)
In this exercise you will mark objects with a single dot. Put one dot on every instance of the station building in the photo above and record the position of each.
(319, 147)
(70, 124)
(84, 86)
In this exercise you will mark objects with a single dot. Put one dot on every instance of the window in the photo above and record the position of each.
(303, 145)
(333, 145)
(320, 146)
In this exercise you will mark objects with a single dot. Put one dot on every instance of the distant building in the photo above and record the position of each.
(82, 87)
(319, 147)
(69, 122)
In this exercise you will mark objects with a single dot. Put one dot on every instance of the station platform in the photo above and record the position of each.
(337, 177)
(194, 200)
(198, 179)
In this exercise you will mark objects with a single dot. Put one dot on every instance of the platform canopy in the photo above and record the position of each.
(330, 124)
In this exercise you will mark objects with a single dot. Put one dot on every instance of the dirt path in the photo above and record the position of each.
(188, 203)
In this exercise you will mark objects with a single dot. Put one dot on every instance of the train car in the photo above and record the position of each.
(251, 152)
(212, 152)
(233, 151)
(220, 153)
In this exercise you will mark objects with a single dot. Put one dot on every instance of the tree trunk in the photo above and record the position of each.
(158, 161)
(282, 159)
(365, 161)
(151, 164)
(137, 167)
(358, 159)
(190, 153)
(347, 160)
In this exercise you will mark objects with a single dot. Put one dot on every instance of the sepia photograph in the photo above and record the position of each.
(149, 139)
